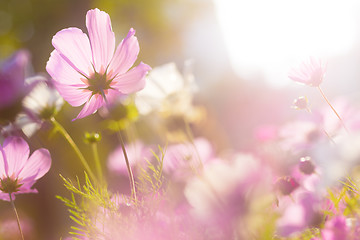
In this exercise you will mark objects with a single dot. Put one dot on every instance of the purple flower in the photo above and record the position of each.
(18, 171)
(310, 72)
(335, 229)
(86, 70)
(12, 85)
(300, 213)
(181, 160)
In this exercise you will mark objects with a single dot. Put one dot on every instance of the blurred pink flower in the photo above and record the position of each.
(18, 171)
(335, 229)
(91, 72)
(299, 214)
(310, 72)
(181, 160)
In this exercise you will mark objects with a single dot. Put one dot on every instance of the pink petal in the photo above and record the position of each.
(2, 163)
(73, 94)
(95, 102)
(37, 165)
(133, 80)
(61, 71)
(17, 152)
(73, 45)
(125, 55)
(102, 38)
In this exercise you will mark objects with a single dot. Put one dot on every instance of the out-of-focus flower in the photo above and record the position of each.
(166, 91)
(226, 194)
(286, 185)
(18, 171)
(89, 72)
(137, 152)
(335, 229)
(299, 214)
(306, 166)
(299, 136)
(9, 228)
(301, 103)
(42, 103)
(310, 72)
(12, 86)
(183, 160)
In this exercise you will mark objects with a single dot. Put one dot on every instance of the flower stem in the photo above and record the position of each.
(66, 135)
(336, 113)
(97, 161)
(17, 216)
(131, 176)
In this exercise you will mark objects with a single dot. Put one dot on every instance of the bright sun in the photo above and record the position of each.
(269, 36)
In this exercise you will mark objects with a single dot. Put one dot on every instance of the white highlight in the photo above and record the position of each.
(269, 36)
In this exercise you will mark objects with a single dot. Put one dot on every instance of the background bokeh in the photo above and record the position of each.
(168, 31)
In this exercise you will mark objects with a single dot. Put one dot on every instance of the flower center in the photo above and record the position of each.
(98, 83)
(9, 185)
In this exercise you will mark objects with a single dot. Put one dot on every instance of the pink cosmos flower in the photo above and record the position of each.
(18, 171)
(310, 72)
(88, 70)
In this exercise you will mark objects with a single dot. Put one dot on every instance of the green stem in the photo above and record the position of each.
(97, 161)
(17, 216)
(131, 176)
(336, 113)
(66, 135)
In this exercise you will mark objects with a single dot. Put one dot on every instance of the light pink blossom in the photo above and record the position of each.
(18, 171)
(88, 70)
(335, 229)
(310, 72)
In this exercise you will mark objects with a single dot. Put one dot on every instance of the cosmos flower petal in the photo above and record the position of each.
(102, 38)
(2, 163)
(133, 80)
(75, 95)
(74, 47)
(91, 106)
(16, 151)
(37, 165)
(310, 72)
(61, 71)
(126, 54)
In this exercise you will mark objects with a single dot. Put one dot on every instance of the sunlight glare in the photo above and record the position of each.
(269, 36)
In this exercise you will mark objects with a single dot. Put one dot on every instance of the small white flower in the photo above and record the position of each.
(167, 90)
(43, 101)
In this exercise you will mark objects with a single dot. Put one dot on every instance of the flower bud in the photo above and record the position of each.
(286, 185)
(306, 166)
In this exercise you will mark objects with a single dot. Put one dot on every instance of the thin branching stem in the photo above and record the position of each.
(17, 216)
(66, 135)
(131, 176)
(336, 113)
